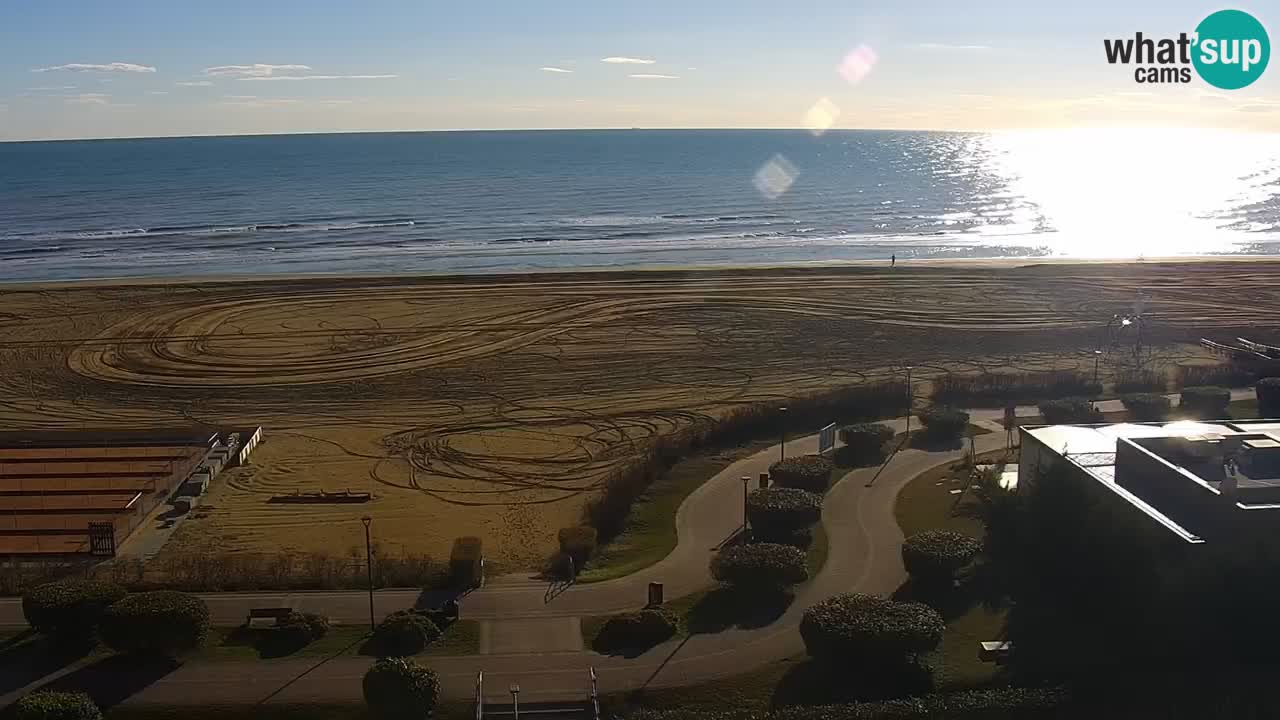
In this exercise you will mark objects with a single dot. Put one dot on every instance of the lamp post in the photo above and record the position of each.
(782, 447)
(515, 700)
(910, 402)
(1097, 357)
(746, 479)
(368, 566)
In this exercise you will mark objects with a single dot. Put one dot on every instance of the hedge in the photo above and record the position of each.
(1147, 407)
(49, 705)
(1000, 389)
(69, 610)
(869, 629)
(1141, 381)
(776, 513)
(864, 441)
(760, 566)
(944, 423)
(403, 632)
(297, 630)
(162, 622)
(400, 689)
(807, 472)
(1206, 401)
(994, 704)
(1268, 393)
(1069, 410)
(578, 543)
(636, 630)
(933, 557)
(465, 562)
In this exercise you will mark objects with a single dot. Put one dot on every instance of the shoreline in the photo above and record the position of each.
(656, 272)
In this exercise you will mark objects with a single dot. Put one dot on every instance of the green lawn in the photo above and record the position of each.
(352, 711)
(926, 503)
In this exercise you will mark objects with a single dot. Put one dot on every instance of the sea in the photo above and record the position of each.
(521, 201)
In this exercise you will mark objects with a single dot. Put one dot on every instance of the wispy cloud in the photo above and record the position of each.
(948, 46)
(89, 99)
(197, 83)
(554, 70)
(653, 76)
(157, 92)
(255, 70)
(54, 88)
(109, 67)
(616, 60)
(321, 77)
(250, 101)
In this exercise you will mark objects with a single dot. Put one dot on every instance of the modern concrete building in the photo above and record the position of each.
(1195, 481)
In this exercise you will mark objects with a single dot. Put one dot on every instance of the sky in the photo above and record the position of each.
(140, 68)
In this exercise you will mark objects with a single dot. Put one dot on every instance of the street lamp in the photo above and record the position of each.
(368, 566)
(910, 402)
(515, 700)
(1097, 356)
(782, 447)
(745, 480)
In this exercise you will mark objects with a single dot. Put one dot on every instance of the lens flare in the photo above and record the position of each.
(858, 64)
(821, 116)
(775, 177)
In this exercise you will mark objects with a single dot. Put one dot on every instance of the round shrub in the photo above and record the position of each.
(1147, 407)
(404, 632)
(869, 629)
(400, 689)
(578, 543)
(636, 630)
(1069, 410)
(944, 423)
(47, 705)
(778, 512)
(807, 472)
(933, 557)
(1206, 401)
(1267, 391)
(864, 442)
(760, 566)
(162, 622)
(297, 630)
(69, 610)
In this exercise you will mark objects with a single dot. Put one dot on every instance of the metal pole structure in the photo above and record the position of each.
(368, 566)
(1097, 357)
(745, 480)
(515, 700)
(782, 447)
(910, 402)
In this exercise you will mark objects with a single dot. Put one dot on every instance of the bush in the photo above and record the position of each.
(1012, 703)
(578, 543)
(47, 705)
(465, 562)
(867, 629)
(1147, 407)
(1001, 389)
(69, 610)
(400, 689)
(944, 423)
(635, 630)
(864, 442)
(1206, 401)
(933, 557)
(1268, 393)
(778, 512)
(295, 631)
(807, 472)
(760, 566)
(1226, 374)
(1069, 410)
(402, 633)
(162, 622)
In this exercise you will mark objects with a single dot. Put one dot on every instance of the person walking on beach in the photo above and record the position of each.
(893, 259)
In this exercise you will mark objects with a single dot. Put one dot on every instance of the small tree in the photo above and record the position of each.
(760, 566)
(864, 442)
(777, 514)
(1068, 411)
(1147, 407)
(402, 633)
(934, 557)
(578, 542)
(161, 622)
(1268, 393)
(1206, 401)
(868, 630)
(48, 705)
(807, 472)
(400, 689)
(465, 561)
(944, 423)
(69, 610)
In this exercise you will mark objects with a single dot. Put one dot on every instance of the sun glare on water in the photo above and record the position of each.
(1133, 193)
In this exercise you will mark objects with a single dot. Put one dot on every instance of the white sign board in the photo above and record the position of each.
(827, 439)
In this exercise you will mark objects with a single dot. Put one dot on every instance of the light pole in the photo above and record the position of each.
(515, 700)
(745, 480)
(1097, 357)
(910, 402)
(368, 566)
(782, 447)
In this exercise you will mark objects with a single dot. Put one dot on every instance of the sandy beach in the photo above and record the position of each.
(493, 405)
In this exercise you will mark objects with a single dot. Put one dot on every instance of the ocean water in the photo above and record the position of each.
(480, 202)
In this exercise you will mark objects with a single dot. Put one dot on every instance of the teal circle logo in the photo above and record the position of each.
(1232, 49)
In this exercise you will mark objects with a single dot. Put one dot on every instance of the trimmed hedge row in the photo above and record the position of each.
(1147, 407)
(636, 630)
(50, 705)
(807, 472)
(933, 557)
(994, 704)
(297, 630)
(579, 543)
(402, 633)
(400, 689)
(69, 610)
(777, 513)
(864, 441)
(944, 423)
(760, 566)
(867, 629)
(1206, 401)
(1069, 410)
(1000, 389)
(162, 622)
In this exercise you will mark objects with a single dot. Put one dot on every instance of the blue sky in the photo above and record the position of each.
(194, 68)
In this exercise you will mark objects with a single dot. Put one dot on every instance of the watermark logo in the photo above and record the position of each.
(1229, 50)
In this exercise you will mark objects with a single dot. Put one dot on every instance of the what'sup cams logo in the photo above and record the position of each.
(1229, 50)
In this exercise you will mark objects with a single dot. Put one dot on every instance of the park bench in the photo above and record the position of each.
(274, 614)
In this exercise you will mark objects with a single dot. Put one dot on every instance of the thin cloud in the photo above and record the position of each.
(295, 78)
(653, 76)
(197, 83)
(252, 102)
(255, 70)
(157, 92)
(616, 60)
(948, 46)
(57, 88)
(89, 99)
(109, 67)
(554, 70)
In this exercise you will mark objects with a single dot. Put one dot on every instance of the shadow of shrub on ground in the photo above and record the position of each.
(815, 683)
(932, 443)
(725, 607)
(114, 679)
(846, 459)
(951, 602)
(28, 657)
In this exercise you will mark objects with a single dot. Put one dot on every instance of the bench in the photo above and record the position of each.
(274, 614)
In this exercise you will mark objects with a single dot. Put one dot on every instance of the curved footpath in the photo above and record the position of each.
(518, 614)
